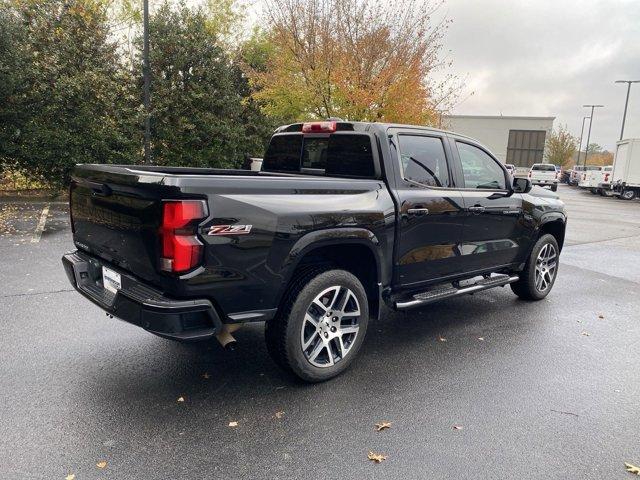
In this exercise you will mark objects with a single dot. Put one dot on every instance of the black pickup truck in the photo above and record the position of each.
(343, 217)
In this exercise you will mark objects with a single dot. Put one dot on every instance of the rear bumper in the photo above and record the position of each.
(141, 305)
(544, 182)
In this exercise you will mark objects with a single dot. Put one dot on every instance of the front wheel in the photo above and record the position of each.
(320, 326)
(540, 271)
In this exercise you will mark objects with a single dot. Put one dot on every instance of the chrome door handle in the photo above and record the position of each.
(418, 211)
(476, 209)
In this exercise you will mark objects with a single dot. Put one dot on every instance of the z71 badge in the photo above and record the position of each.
(229, 230)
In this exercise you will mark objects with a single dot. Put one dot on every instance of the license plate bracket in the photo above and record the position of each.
(111, 280)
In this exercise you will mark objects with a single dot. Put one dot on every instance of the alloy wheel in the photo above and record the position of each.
(330, 326)
(546, 267)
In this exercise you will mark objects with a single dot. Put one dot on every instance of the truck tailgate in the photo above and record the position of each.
(116, 219)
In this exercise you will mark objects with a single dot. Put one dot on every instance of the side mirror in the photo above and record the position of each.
(521, 185)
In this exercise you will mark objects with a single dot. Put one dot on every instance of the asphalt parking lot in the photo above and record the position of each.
(485, 386)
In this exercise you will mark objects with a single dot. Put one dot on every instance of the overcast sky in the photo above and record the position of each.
(548, 58)
(545, 58)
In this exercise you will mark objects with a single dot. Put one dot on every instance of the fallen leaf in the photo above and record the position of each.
(441, 338)
(279, 414)
(71, 476)
(206, 376)
(180, 399)
(376, 457)
(101, 464)
(586, 334)
(632, 468)
(457, 427)
(600, 316)
(382, 425)
(233, 424)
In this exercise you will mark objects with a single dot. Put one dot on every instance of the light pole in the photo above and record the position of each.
(147, 81)
(626, 103)
(586, 150)
(581, 133)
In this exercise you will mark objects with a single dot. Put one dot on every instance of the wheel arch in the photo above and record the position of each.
(555, 226)
(356, 250)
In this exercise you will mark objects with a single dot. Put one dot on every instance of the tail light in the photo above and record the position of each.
(529, 173)
(180, 247)
(606, 177)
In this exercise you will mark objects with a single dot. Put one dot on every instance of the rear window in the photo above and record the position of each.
(544, 167)
(338, 155)
(283, 154)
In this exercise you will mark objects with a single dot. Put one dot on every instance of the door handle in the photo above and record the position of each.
(476, 209)
(418, 211)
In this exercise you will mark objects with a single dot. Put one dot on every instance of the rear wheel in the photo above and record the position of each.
(540, 271)
(628, 194)
(554, 187)
(321, 325)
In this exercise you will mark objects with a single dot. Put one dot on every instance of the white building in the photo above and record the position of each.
(516, 140)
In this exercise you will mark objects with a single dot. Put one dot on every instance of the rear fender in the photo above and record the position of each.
(333, 237)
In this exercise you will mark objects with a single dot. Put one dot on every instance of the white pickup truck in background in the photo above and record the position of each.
(545, 175)
(597, 179)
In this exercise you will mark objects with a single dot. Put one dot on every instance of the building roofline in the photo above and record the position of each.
(497, 117)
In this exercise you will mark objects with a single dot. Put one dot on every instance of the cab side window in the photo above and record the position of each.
(479, 169)
(423, 160)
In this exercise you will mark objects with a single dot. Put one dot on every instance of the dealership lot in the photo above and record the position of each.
(485, 386)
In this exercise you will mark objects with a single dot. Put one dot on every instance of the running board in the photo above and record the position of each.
(436, 294)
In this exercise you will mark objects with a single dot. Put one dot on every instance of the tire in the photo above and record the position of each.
(554, 187)
(594, 191)
(529, 287)
(338, 334)
(628, 194)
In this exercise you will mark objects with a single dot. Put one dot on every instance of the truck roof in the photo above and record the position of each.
(365, 127)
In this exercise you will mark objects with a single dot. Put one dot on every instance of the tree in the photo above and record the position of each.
(355, 59)
(200, 113)
(594, 148)
(601, 158)
(74, 101)
(560, 147)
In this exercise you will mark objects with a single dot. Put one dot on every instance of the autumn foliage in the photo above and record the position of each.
(355, 59)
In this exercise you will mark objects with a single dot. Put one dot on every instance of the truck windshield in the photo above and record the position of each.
(337, 154)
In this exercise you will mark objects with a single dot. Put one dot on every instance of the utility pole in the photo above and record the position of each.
(581, 133)
(626, 102)
(586, 150)
(147, 81)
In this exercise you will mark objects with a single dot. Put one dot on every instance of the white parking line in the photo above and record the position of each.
(41, 223)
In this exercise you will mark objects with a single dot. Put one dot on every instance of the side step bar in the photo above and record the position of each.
(436, 294)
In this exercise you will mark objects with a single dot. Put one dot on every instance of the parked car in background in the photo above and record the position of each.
(576, 173)
(583, 177)
(625, 178)
(342, 218)
(545, 175)
(597, 180)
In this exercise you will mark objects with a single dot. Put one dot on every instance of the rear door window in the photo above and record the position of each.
(423, 160)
